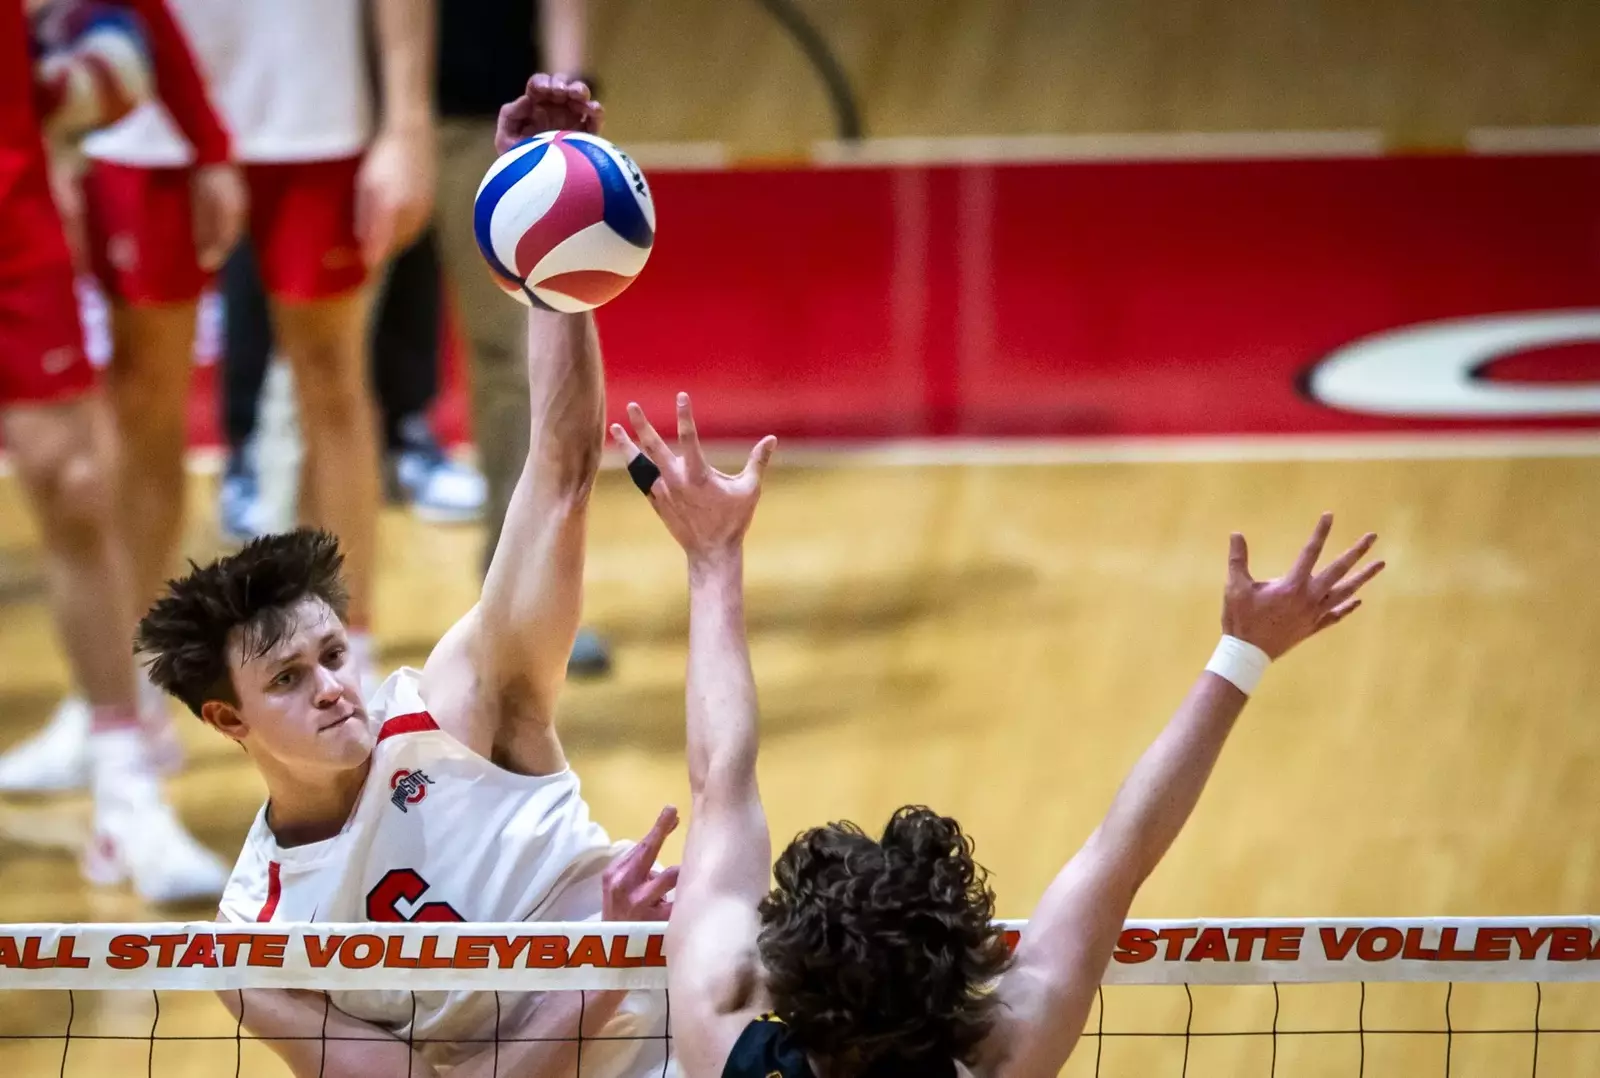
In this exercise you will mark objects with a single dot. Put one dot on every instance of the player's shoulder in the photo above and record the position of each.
(399, 694)
(251, 883)
(398, 709)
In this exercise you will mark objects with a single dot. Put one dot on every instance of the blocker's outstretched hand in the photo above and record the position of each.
(707, 511)
(548, 103)
(1275, 615)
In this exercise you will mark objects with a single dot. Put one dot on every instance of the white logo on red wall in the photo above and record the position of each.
(1443, 369)
(409, 787)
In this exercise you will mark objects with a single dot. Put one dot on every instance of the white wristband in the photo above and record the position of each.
(1240, 662)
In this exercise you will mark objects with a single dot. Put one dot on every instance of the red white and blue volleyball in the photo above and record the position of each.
(565, 221)
(91, 64)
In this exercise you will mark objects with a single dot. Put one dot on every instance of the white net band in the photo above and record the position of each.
(536, 956)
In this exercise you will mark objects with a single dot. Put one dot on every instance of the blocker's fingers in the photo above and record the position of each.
(648, 438)
(1324, 581)
(620, 435)
(1238, 557)
(689, 437)
(1342, 591)
(1313, 549)
(760, 457)
(1337, 614)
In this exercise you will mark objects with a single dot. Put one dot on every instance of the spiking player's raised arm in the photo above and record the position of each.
(491, 825)
(494, 678)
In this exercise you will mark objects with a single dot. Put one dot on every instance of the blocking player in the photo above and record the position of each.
(53, 420)
(448, 797)
(878, 956)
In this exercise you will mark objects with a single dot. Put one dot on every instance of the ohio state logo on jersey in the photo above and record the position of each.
(409, 787)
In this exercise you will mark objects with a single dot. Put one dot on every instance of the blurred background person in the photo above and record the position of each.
(335, 189)
(405, 373)
(59, 431)
(331, 194)
(486, 52)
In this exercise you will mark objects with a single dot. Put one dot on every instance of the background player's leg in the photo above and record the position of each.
(64, 455)
(133, 225)
(246, 353)
(148, 383)
(326, 342)
(141, 245)
(66, 458)
(406, 333)
(302, 218)
(405, 337)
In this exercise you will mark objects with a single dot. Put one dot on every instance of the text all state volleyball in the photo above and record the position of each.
(565, 221)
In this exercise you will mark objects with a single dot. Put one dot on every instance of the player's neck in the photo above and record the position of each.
(301, 811)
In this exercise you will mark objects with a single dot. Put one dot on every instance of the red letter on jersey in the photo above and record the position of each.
(383, 901)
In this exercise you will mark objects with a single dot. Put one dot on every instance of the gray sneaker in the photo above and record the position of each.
(239, 510)
(590, 657)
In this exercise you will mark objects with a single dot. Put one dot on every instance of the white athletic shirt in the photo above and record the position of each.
(440, 833)
(290, 78)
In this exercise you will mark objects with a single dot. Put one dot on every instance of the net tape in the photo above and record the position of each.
(538, 956)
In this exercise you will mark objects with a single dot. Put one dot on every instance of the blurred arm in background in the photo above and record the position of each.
(394, 191)
(564, 31)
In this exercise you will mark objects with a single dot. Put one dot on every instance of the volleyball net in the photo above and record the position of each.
(1343, 998)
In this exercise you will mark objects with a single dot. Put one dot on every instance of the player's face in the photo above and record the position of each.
(300, 703)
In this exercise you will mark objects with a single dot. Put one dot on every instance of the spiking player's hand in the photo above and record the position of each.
(548, 103)
(1275, 615)
(633, 889)
(707, 511)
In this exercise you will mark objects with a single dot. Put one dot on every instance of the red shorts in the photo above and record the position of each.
(41, 340)
(302, 223)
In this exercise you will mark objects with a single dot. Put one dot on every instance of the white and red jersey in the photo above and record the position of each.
(290, 77)
(441, 834)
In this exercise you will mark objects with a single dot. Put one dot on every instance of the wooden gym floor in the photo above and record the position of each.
(1001, 642)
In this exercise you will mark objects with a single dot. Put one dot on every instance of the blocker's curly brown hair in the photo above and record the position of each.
(185, 635)
(880, 954)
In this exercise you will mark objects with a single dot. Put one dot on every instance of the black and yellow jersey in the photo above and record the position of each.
(765, 1050)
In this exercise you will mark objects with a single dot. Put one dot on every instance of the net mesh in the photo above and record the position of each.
(1352, 999)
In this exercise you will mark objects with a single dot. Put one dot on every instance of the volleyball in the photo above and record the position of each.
(92, 65)
(565, 221)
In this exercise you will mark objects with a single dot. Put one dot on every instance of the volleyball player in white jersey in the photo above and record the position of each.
(879, 958)
(449, 796)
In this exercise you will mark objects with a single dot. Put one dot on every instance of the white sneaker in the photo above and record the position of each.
(138, 838)
(56, 759)
(148, 846)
